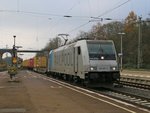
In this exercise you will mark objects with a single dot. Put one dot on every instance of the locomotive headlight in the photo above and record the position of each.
(93, 68)
(102, 57)
(114, 68)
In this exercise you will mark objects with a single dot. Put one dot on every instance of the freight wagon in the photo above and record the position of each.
(40, 64)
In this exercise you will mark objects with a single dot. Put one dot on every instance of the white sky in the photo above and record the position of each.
(33, 31)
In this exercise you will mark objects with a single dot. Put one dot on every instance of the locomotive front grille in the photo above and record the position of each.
(107, 77)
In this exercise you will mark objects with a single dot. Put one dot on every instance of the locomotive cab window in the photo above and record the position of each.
(101, 51)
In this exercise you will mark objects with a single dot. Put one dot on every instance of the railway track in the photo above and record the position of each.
(134, 99)
(137, 82)
(135, 90)
(140, 97)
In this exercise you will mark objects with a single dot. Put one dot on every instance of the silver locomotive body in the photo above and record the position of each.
(90, 61)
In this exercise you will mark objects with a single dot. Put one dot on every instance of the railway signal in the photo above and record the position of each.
(12, 70)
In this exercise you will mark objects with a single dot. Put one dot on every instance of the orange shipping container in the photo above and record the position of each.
(25, 63)
(40, 62)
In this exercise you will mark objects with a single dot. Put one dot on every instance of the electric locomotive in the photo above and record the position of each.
(92, 62)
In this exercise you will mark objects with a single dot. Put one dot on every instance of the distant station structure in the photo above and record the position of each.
(2, 51)
(15, 50)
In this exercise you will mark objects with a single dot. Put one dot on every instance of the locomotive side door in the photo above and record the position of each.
(76, 59)
(77, 52)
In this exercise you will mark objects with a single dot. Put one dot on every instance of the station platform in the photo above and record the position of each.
(135, 73)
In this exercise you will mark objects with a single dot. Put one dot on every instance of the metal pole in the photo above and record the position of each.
(14, 40)
(14, 53)
(121, 54)
(121, 51)
(139, 46)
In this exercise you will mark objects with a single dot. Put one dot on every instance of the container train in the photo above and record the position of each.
(37, 63)
(92, 62)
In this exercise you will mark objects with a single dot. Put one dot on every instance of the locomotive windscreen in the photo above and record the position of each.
(101, 51)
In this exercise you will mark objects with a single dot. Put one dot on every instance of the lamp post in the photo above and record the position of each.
(121, 53)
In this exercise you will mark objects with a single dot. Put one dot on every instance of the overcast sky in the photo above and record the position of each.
(34, 22)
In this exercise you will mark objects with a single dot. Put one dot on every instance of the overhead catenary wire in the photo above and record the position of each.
(106, 12)
(67, 16)
(79, 27)
(63, 16)
(42, 14)
(112, 9)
